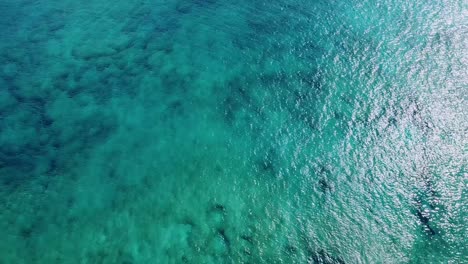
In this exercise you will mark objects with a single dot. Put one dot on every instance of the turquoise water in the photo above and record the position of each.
(214, 131)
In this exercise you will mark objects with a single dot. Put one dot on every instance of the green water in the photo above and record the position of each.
(214, 131)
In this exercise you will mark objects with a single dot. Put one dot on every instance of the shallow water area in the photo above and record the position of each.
(212, 131)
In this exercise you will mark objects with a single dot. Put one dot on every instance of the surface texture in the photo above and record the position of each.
(215, 131)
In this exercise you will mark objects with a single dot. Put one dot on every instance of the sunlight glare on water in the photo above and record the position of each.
(214, 131)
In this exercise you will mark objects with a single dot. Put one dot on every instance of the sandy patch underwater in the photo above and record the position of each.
(217, 132)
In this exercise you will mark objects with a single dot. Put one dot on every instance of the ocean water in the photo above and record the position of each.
(215, 131)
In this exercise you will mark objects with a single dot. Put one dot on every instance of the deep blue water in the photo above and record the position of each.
(214, 131)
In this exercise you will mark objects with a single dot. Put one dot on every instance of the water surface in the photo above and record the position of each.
(214, 131)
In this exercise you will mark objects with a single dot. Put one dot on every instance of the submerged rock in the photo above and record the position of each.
(220, 244)
(323, 257)
(424, 219)
(324, 185)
